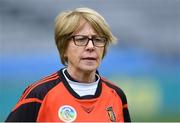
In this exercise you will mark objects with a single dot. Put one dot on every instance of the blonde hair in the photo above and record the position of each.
(68, 22)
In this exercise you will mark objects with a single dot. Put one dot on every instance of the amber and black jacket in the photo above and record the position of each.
(52, 99)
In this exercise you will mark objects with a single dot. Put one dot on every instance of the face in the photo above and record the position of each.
(84, 58)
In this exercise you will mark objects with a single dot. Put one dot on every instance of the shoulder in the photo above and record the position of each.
(40, 88)
(118, 90)
(35, 93)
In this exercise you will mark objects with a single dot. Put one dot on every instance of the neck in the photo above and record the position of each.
(81, 76)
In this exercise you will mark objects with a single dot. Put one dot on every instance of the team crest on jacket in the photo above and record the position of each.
(111, 114)
(67, 113)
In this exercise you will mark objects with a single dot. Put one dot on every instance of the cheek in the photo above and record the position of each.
(72, 53)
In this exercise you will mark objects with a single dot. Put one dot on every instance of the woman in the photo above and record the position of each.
(76, 93)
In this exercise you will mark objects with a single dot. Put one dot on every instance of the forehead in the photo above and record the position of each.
(85, 28)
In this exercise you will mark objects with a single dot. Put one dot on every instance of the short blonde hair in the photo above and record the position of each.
(68, 22)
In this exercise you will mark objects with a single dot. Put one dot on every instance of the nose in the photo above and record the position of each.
(90, 45)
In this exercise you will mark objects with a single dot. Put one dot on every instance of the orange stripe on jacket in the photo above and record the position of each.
(39, 84)
(125, 106)
(52, 77)
(27, 101)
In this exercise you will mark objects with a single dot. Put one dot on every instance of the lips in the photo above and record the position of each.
(89, 58)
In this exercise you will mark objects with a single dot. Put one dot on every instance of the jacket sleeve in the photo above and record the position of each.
(123, 98)
(26, 109)
(29, 104)
(26, 112)
(126, 114)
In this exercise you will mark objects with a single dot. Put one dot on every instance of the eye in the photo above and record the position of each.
(80, 38)
(99, 39)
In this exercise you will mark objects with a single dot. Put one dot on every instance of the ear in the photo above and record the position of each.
(65, 58)
(65, 54)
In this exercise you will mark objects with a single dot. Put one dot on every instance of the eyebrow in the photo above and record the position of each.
(84, 35)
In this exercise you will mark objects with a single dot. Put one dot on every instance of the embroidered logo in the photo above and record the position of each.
(111, 114)
(67, 113)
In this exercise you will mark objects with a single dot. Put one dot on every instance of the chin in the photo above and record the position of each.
(88, 68)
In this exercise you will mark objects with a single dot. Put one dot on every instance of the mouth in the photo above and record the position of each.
(89, 58)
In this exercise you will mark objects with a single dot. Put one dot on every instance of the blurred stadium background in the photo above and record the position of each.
(145, 63)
